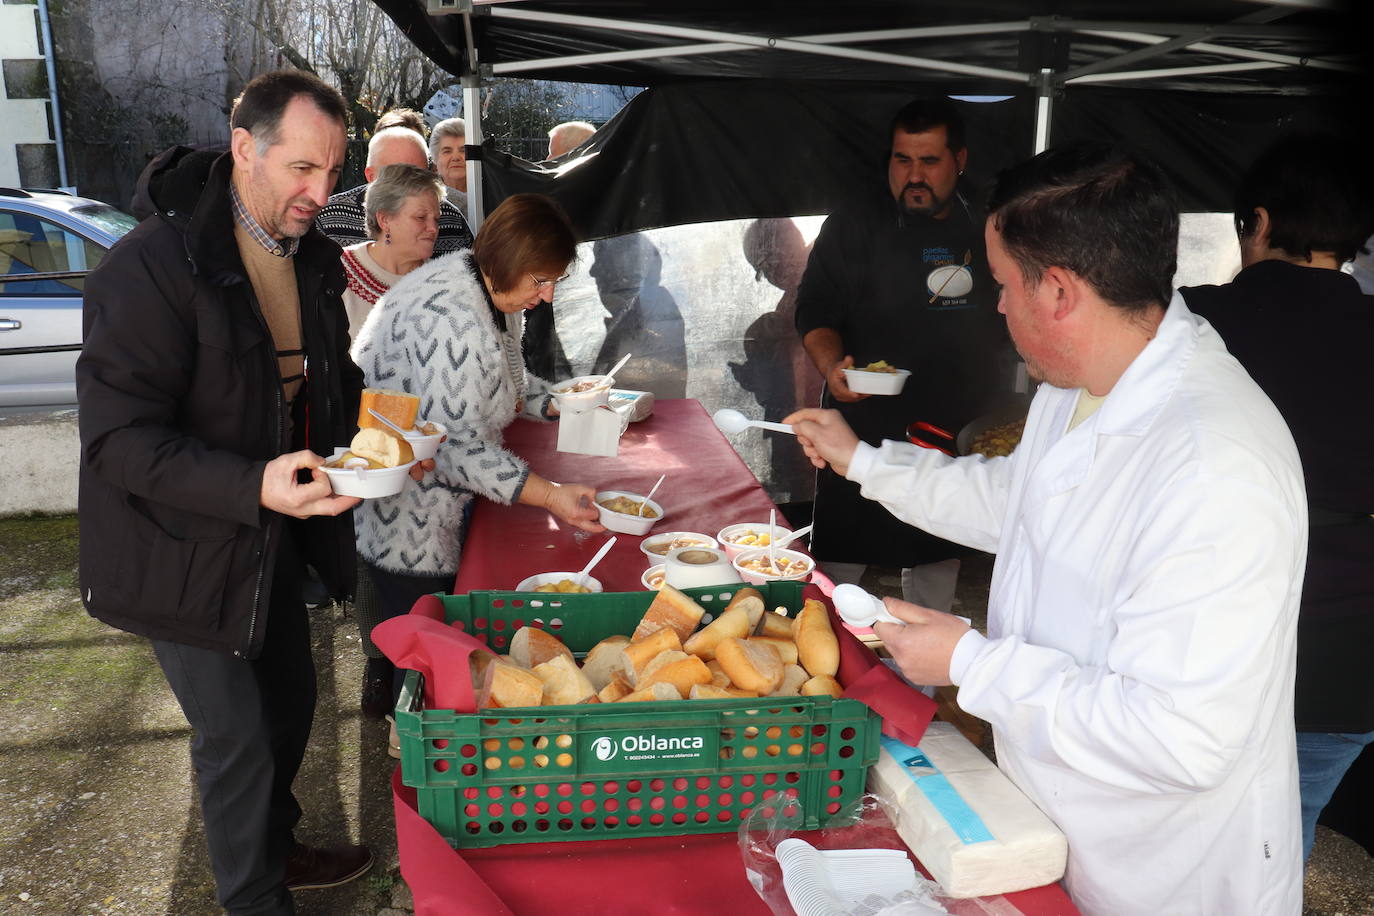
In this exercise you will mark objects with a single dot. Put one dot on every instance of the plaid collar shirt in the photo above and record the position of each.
(283, 249)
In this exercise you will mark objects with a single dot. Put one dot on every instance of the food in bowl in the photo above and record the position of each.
(578, 387)
(750, 538)
(876, 378)
(880, 366)
(755, 567)
(748, 535)
(653, 577)
(563, 586)
(425, 437)
(352, 475)
(627, 506)
(660, 544)
(998, 441)
(374, 448)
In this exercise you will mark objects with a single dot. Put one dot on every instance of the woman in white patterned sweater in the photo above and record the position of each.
(450, 333)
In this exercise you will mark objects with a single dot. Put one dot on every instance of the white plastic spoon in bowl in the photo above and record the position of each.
(772, 536)
(649, 496)
(392, 426)
(789, 538)
(610, 376)
(731, 421)
(582, 576)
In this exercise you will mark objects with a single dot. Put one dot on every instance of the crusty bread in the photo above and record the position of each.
(817, 648)
(600, 661)
(793, 676)
(397, 406)
(508, 685)
(616, 688)
(718, 675)
(751, 599)
(564, 682)
(786, 648)
(751, 666)
(656, 691)
(531, 646)
(733, 621)
(681, 670)
(775, 625)
(822, 685)
(671, 608)
(382, 448)
(712, 692)
(632, 658)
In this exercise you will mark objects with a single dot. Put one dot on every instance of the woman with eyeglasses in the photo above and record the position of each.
(450, 333)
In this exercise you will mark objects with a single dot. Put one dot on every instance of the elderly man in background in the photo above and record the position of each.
(343, 218)
(568, 136)
(196, 411)
(446, 148)
(1150, 532)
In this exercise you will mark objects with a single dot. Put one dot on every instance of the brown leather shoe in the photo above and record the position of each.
(308, 867)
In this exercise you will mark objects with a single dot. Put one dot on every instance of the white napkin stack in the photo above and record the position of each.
(853, 882)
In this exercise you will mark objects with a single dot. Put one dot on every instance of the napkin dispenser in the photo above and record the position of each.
(591, 432)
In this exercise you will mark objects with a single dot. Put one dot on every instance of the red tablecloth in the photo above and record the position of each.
(707, 487)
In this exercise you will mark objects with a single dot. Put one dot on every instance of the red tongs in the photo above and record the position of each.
(916, 432)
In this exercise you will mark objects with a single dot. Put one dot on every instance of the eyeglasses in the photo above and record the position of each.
(547, 284)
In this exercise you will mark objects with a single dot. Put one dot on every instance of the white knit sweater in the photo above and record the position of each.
(433, 335)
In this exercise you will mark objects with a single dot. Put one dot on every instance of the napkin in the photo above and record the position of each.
(853, 882)
(438, 651)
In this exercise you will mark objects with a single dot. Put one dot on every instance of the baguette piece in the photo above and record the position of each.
(712, 692)
(793, 676)
(776, 625)
(633, 657)
(564, 682)
(822, 685)
(530, 647)
(681, 670)
(671, 608)
(786, 648)
(397, 406)
(733, 621)
(617, 687)
(751, 599)
(507, 685)
(751, 666)
(817, 648)
(718, 676)
(600, 661)
(382, 448)
(657, 691)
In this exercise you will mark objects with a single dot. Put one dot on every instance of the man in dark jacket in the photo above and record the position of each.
(215, 369)
(1301, 327)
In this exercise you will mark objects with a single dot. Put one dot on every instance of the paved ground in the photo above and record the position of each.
(97, 810)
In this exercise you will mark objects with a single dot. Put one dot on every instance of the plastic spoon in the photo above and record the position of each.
(793, 536)
(732, 421)
(582, 576)
(860, 609)
(400, 432)
(652, 491)
(772, 536)
(610, 376)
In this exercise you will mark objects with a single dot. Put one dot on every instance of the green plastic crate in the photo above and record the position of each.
(598, 771)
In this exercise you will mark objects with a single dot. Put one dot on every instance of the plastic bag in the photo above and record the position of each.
(866, 824)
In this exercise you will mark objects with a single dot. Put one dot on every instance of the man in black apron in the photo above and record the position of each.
(901, 278)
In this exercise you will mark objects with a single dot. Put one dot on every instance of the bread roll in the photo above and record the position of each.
(508, 685)
(718, 675)
(382, 448)
(733, 622)
(671, 608)
(751, 599)
(712, 692)
(793, 676)
(397, 406)
(681, 670)
(600, 661)
(564, 682)
(775, 625)
(633, 657)
(616, 688)
(822, 685)
(531, 646)
(751, 666)
(786, 648)
(817, 648)
(658, 691)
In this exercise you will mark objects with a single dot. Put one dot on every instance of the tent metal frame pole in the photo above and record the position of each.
(472, 123)
(1168, 72)
(1222, 50)
(786, 44)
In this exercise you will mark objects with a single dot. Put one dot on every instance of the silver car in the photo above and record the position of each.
(49, 241)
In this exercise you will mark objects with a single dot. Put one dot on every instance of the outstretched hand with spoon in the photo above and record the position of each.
(731, 421)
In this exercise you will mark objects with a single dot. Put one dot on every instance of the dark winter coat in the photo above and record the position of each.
(181, 409)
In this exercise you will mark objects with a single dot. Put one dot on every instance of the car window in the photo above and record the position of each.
(32, 245)
(116, 222)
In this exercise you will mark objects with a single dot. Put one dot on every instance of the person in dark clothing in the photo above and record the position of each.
(215, 369)
(1302, 329)
(901, 278)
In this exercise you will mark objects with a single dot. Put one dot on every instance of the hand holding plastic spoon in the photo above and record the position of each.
(582, 576)
(731, 421)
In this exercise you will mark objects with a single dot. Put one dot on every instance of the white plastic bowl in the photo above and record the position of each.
(367, 483)
(529, 583)
(425, 446)
(652, 578)
(861, 381)
(662, 540)
(625, 523)
(727, 534)
(753, 577)
(577, 402)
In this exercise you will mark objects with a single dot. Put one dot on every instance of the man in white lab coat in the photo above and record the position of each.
(1150, 533)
